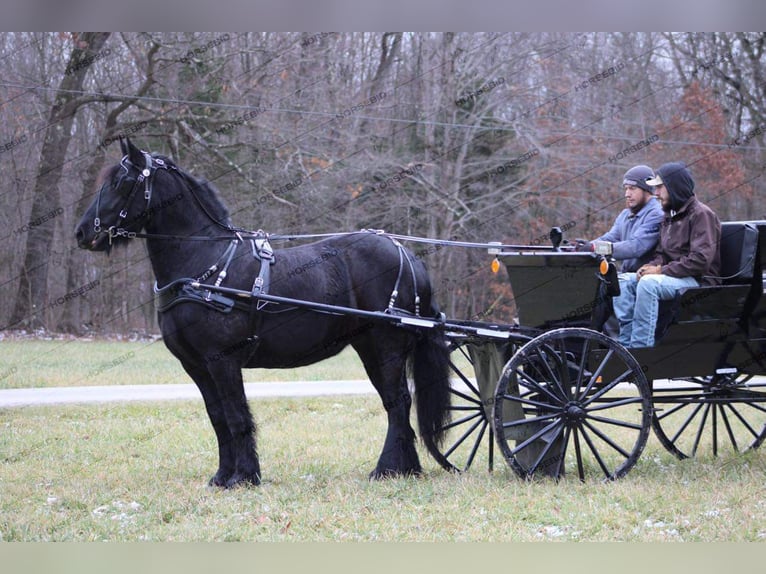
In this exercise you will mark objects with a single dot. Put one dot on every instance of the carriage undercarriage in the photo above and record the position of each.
(553, 411)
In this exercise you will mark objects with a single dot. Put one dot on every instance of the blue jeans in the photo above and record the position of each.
(637, 306)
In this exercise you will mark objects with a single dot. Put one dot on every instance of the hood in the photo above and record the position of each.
(679, 183)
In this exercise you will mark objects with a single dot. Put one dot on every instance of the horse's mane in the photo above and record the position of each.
(105, 174)
(205, 192)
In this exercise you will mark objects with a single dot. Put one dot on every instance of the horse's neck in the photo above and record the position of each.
(174, 259)
(180, 258)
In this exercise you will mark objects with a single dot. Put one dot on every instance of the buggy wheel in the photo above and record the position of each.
(572, 400)
(469, 439)
(709, 414)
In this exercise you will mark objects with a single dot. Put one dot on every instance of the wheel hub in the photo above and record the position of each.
(574, 412)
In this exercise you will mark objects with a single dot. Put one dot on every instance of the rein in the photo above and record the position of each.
(261, 248)
(154, 163)
(413, 239)
(248, 234)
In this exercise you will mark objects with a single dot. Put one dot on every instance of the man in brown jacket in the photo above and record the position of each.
(687, 256)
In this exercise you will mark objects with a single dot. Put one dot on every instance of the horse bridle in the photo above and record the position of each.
(144, 176)
(152, 164)
(260, 244)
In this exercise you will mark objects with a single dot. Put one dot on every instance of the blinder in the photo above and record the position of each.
(144, 177)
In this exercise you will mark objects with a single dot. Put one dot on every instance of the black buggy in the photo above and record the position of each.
(556, 396)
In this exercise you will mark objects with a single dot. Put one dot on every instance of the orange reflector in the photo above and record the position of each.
(495, 265)
(603, 267)
(599, 379)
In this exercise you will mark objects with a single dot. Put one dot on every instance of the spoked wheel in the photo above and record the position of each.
(709, 414)
(572, 400)
(469, 437)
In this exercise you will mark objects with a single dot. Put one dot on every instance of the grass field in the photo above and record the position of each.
(139, 472)
(71, 362)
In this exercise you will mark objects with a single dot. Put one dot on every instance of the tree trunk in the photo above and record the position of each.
(76, 272)
(32, 296)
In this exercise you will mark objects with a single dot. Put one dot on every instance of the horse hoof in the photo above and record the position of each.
(219, 479)
(243, 480)
(387, 473)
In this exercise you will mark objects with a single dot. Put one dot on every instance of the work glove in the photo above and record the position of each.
(602, 247)
(583, 245)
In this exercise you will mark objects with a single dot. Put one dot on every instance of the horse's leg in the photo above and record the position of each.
(385, 363)
(214, 407)
(240, 447)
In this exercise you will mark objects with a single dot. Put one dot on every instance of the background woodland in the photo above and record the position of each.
(474, 137)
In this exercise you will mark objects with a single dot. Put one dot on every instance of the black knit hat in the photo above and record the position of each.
(637, 176)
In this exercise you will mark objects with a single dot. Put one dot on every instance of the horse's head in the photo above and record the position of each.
(122, 204)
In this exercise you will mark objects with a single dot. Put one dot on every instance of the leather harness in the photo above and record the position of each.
(182, 290)
(189, 290)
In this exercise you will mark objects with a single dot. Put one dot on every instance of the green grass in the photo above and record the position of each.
(72, 362)
(139, 472)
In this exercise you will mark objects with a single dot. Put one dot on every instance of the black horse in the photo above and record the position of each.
(190, 239)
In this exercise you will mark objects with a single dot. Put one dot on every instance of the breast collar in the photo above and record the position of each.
(181, 289)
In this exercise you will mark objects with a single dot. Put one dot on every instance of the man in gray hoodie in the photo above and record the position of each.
(687, 256)
(636, 231)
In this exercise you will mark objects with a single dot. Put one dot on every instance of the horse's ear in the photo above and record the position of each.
(135, 155)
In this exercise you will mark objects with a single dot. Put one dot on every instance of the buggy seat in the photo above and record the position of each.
(728, 302)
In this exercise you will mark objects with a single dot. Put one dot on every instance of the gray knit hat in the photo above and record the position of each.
(638, 176)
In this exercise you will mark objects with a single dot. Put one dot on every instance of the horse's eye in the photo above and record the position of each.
(123, 182)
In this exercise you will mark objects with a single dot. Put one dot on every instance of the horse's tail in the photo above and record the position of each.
(430, 371)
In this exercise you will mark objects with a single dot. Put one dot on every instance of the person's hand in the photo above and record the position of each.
(649, 270)
(583, 245)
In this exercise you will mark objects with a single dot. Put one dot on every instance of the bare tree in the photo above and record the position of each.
(33, 288)
(474, 137)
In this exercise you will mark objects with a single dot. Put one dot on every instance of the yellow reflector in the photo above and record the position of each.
(495, 265)
(603, 267)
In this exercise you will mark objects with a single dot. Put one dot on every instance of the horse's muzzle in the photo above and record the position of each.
(90, 240)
